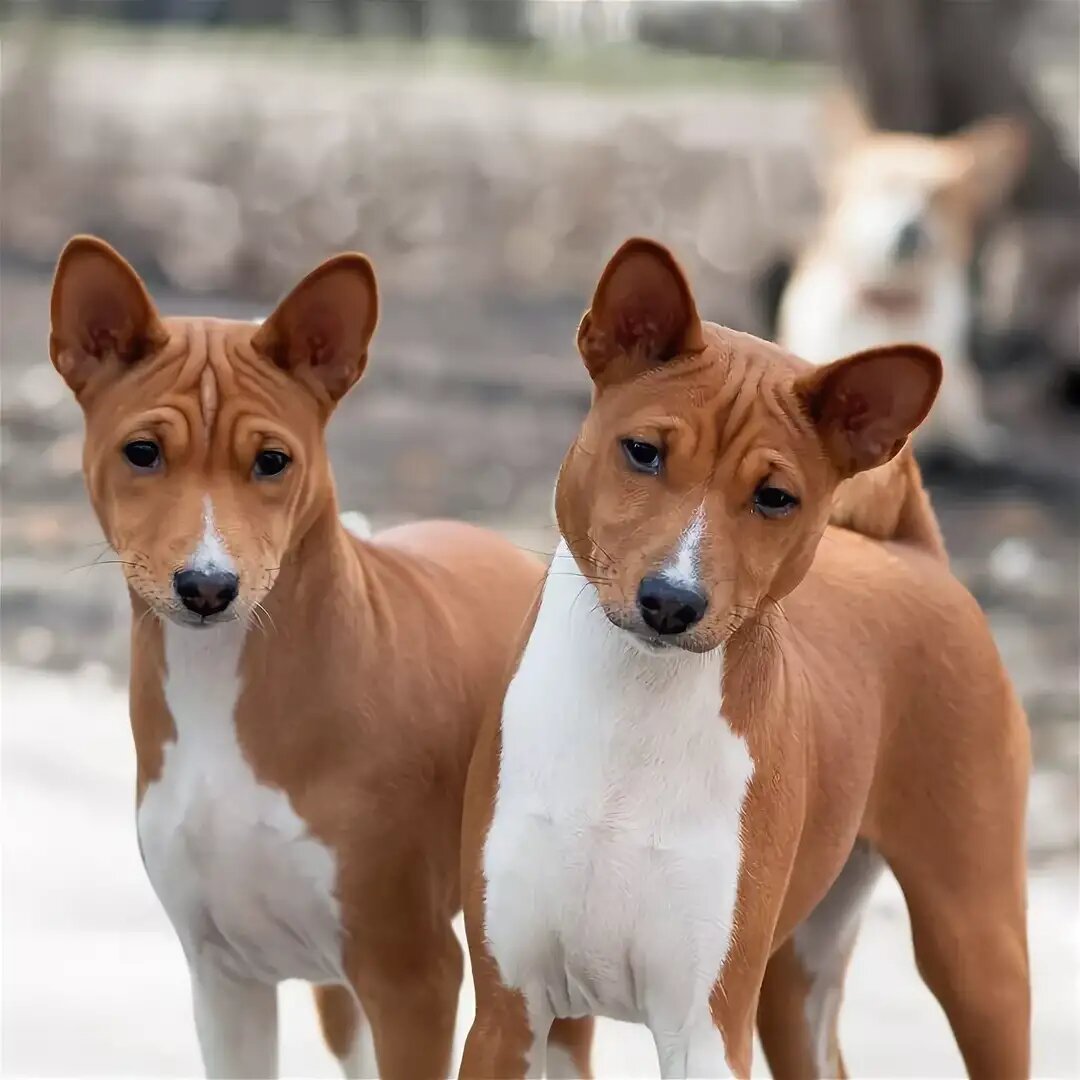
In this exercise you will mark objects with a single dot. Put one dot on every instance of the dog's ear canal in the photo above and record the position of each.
(865, 406)
(102, 319)
(642, 314)
(321, 331)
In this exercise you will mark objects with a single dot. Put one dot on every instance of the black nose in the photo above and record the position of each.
(909, 240)
(206, 593)
(668, 608)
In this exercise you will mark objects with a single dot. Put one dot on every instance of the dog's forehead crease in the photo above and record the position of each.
(211, 359)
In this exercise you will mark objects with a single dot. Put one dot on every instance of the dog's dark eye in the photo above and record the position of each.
(271, 462)
(774, 502)
(642, 456)
(144, 454)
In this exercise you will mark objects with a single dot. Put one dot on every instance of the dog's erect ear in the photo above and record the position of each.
(846, 122)
(321, 331)
(865, 406)
(642, 314)
(101, 316)
(993, 155)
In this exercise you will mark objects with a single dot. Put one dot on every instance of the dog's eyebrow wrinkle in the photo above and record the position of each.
(208, 396)
(741, 408)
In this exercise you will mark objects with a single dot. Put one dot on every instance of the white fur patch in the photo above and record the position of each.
(613, 857)
(359, 1063)
(249, 891)
(211, 553)
(823, 943)
(685, 568)
(357, 524)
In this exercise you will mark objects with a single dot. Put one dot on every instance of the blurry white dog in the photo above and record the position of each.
(890, 261)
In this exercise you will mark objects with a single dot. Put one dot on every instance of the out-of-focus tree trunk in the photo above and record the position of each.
(498, 20)
(258, 12)
(935, 66)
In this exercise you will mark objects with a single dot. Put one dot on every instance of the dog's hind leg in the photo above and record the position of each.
(948, 815)
(799, 1008)
(345, 1032)
(964, 882)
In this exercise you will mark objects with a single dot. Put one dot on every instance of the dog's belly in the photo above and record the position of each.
(245, 884)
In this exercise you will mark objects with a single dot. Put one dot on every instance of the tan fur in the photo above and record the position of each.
(368, 665)
(861, 674)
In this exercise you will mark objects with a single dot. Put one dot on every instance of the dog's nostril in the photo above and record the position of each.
(206, 592)
(668, 608)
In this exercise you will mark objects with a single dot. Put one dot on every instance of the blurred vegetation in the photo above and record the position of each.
(615, 66)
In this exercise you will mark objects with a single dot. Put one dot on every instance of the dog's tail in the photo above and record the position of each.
(890, 503)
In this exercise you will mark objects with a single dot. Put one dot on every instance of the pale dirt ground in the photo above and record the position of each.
(94, 983)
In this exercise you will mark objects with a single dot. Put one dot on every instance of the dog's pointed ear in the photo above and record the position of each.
(865, 406)
(321, 331)
(101, 317)
(993, 155)
(846, 122)
(642, 314)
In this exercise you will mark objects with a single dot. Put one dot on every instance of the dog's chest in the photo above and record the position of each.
(613, 856)
(236, 869)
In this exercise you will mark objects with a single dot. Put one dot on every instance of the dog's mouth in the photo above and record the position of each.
(892, 299)
(648, 641)
(181, 616)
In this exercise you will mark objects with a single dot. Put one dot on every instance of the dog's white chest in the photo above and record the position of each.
(236, 869)
(613, 856)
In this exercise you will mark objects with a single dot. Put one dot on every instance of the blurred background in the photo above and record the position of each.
(490, 155)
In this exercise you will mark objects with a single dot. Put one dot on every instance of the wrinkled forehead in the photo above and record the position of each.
(734, 371)
(738, 389)
(206, 367)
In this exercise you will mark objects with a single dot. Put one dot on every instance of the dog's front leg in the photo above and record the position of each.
(697, 1050)
(237, 1023)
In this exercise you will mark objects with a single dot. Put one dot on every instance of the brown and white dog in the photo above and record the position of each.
(304, 703)
(891, 258)
(728, 716)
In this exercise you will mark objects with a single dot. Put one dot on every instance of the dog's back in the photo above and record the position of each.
(890, 503)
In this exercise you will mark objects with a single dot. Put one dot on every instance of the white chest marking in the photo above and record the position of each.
(614, 851)
(824, 942)
(245, 884)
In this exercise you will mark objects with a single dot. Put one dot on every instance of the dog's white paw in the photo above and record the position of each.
(357, 524)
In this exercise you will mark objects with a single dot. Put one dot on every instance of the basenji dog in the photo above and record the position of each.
(891, 259)
(303, 702)
(727, 717)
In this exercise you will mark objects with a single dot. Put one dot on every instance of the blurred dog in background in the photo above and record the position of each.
(891, 258)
